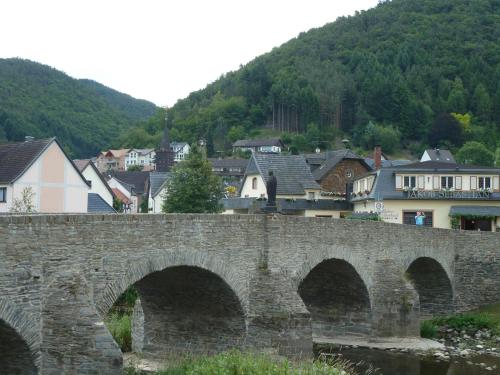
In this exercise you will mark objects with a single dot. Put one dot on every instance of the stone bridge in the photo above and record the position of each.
(210, 282)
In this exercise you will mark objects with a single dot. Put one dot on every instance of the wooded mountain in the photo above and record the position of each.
(85, 116)
(398, 66)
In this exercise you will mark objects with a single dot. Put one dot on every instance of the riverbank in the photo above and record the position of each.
(236, 362)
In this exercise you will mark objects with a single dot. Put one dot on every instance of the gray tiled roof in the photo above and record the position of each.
(441, 155)
(258, 142)
(16, 158)
(384, 186)
(228, 163)
(387, 163)
(156, 181)
(292, 172)
(98, 205)
(138, 180)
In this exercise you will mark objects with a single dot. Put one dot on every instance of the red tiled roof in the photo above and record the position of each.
(120, 196)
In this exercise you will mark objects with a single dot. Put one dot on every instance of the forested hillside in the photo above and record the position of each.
(40, 101)
(386, 72)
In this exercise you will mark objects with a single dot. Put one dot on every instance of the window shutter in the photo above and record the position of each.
(421, 182)
(398, 182)
(496, 184)
(435, 182)
(473, 182)
(458, 182)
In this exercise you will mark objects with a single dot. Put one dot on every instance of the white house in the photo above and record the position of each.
(98, 184)
(157, 190)
(272, 145)
(125, 193)
(181, 150)
(42, 165)
(144, 157)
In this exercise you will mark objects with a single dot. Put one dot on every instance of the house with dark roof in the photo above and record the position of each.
(157, 190)
(181, 150)
(134, 185)
(436, 154)
(269, 145)
(42, 168)
(297, 191)
(333, 170)
(229, 167)
(450, 195)
(98, 184)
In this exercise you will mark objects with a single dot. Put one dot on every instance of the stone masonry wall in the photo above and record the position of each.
(337, 179)
(92, 259)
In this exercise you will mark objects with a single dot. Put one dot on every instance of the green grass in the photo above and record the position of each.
(120, 327)
(237, 363)
(485, 318)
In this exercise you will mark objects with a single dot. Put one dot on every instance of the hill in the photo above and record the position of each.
(396, 66)
(40, 101)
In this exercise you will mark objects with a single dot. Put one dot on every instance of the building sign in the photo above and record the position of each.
(379, 206)
(389, 216)
(420, 194)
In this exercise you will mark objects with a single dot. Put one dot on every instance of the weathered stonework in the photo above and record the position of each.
(209, 282)
(344, 172)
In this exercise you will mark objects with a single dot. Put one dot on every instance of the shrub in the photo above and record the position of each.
(473, 321)
(120, 327)
(428, 329)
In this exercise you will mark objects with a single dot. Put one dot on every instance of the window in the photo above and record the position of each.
(410, 181)
(484, 182)
(254, 183)
(3, 195)
(409, 218)
(446, 182)
(311, 196)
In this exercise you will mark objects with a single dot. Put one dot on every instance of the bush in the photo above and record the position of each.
(472, 321)
(428, 329)
(120, 327)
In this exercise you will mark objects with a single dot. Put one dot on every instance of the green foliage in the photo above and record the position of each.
(374, 66)
(120, 327)
(117, 205)
(428, 329)
(388, 137)
(475, 153)
(193, 188)
(470, 321)
(144, 205)
(134, 168)
(446, 131)
(42, 102)
(237, 363)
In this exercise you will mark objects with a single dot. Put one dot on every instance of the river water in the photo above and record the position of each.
(398, 363)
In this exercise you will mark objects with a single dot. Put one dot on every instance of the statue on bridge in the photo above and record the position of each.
(271, 187)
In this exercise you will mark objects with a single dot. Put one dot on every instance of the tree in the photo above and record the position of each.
(475, 153)
(193, 188)
(446, 129)
(26, 203)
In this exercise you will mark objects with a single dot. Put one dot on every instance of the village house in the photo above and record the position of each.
(181, 150)
(42, 167)
(297, 191)
(100, 194)
(143, 157)
(271, 145)
(124, 194)
(451, 195)
(334, 170)
(111, 160)
(134, 185)
(229, 168)
(157, 191)
(436, 154)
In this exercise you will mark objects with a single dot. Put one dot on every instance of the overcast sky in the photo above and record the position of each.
(157, 50)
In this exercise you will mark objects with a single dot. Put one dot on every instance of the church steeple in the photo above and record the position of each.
(165, 155)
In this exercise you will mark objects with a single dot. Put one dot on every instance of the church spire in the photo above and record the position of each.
(165, 155)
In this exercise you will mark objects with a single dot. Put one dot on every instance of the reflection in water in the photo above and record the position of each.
(397, 363)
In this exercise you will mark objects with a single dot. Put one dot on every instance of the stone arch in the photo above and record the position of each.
(189, 301)
(138, 270)
(433, 285)
(20, 343)
(337, 298)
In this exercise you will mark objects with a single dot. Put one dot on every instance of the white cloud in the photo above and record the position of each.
(157, 50)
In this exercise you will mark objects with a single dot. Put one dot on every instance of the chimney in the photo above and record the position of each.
(28, 138)
(377, 157)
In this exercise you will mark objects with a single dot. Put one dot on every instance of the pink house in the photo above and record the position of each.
(43, 168)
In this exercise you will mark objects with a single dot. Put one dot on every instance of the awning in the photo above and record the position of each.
(478, 211)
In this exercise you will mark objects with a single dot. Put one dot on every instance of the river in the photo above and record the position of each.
(398, 363)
